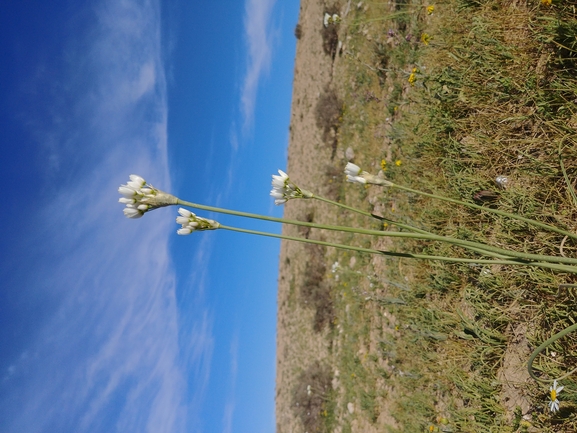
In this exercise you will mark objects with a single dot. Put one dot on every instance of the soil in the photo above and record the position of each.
(310, 155)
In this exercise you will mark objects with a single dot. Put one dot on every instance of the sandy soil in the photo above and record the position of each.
(297, 344)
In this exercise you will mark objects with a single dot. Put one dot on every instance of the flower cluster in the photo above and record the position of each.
(554, 390)
(283, 189)
(331, 19)
(425, 38)
(190, 222)
(413, 76)
(357, 175)
(140, 197)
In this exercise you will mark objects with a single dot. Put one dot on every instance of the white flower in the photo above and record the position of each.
(140, 197)
(327, 19)
(336, 19)
(553, 391)
(190, 222)
(357, 175)
(283, 189)
(354, 173)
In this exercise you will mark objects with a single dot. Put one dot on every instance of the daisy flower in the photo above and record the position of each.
(553, 391)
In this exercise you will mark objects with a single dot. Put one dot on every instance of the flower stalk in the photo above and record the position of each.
(367, 178)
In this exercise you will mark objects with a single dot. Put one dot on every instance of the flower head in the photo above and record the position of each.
(331, 19)
(283, 189)
(140, 197)
(553, 391)
(425, 38)
(430, 9)
(546, 2)
(190, 222)
(357, 175)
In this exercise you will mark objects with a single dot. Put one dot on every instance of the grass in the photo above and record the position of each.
(435, 346)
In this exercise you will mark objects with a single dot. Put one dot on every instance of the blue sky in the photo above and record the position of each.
(109, 324)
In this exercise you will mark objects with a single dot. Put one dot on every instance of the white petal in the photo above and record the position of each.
(276, 193)
(143, 207)
(182, 220)
(126, 200)
(134, 185)
(280, 201)
(356, 179)
(283, 174)
(185, 212)
(352, 169)
(278, 183)
(136, 178)
(126, 191)
(132, 213)
(184, 231)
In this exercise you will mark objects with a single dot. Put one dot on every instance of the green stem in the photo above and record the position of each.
(432, 237)
(570, 269)
(479, 250)
(488, 209)
(543, 346)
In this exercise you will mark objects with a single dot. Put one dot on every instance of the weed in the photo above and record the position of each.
(298, 31)
(328, 114)
(330, 35)
(311, 398)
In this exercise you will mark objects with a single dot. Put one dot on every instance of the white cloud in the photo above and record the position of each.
(259, 41)
(230, 405)
(110, 355)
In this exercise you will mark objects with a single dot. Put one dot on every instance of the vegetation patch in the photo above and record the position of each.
(475, 101)
(311, 398)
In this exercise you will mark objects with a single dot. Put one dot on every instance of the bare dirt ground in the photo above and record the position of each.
(311, 163)
(297, 343)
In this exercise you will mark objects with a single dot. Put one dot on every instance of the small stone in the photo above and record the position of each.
(350, 154)
(351, 407)
(502, 181)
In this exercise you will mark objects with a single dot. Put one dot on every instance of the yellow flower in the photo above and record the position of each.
(425, 38)
(546, 2)
(412, 79)
(398, 162)
(430, 9)
(383, 164)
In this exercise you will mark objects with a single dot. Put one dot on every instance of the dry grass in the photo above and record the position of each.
(443, 347)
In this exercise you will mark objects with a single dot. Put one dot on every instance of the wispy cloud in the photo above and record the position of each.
(230, 405)
(259, 37)
(109, 353)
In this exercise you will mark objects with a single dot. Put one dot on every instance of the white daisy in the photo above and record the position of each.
(553, 391)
